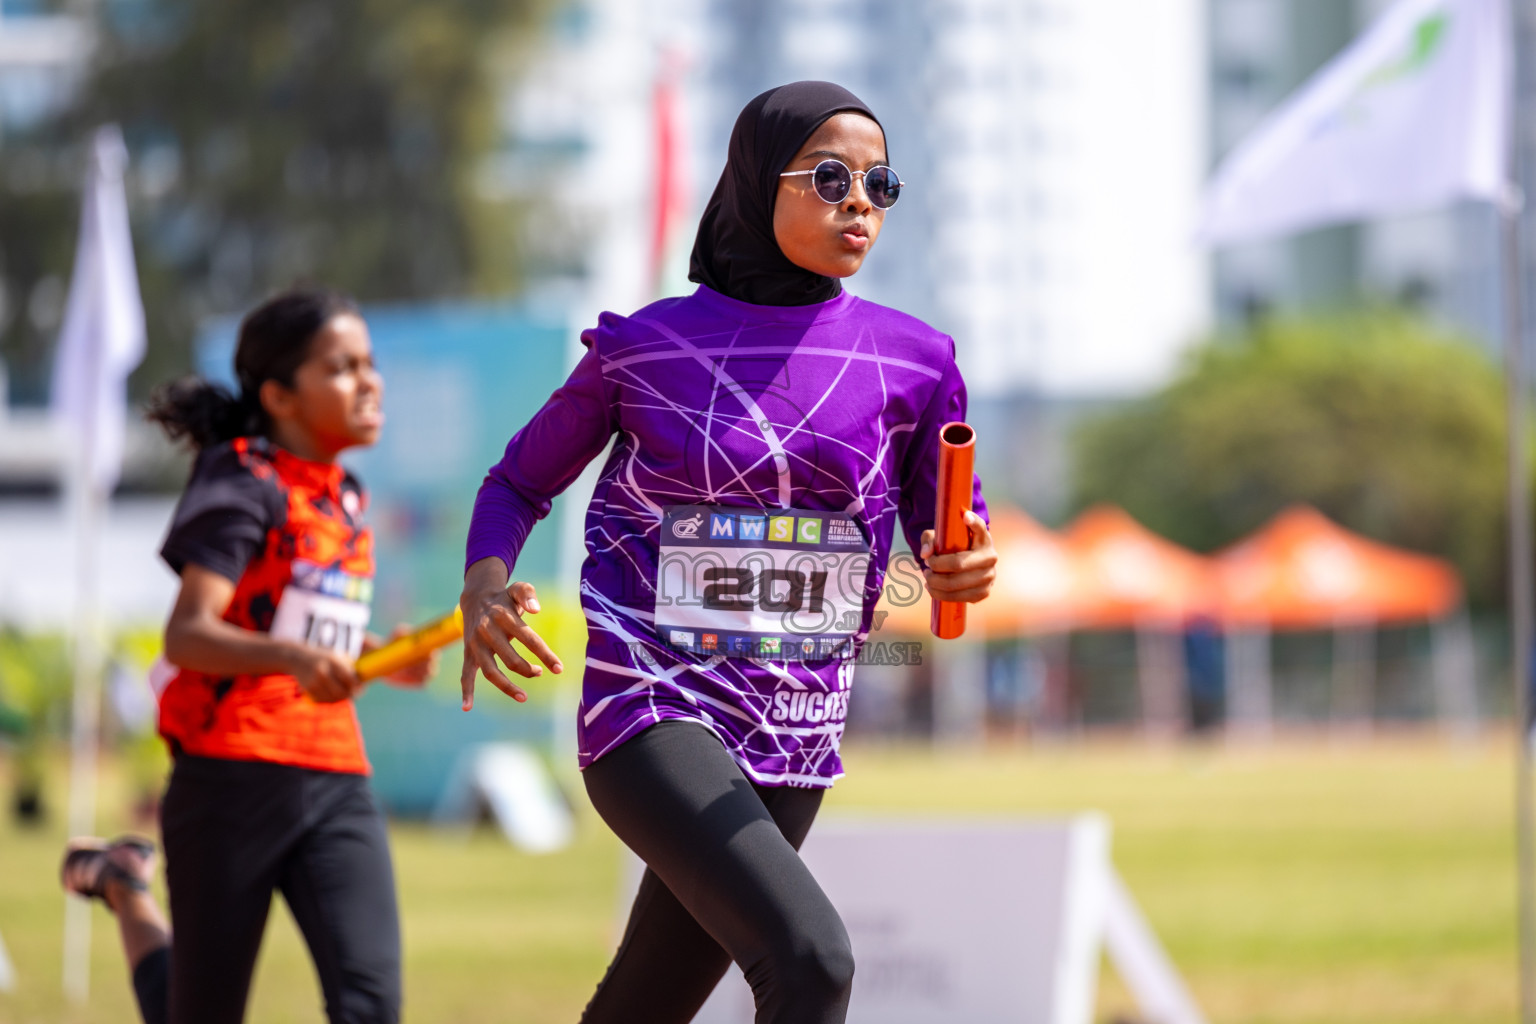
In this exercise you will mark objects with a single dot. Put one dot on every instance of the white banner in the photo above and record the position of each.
(103, 335)
(1412, 115)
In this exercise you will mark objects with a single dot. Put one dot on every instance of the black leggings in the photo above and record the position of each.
(235, 832)
(724, 882)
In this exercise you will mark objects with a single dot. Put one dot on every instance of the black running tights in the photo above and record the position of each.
(723, 882)
(237, 831)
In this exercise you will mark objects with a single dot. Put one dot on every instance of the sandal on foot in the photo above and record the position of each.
(89, 865)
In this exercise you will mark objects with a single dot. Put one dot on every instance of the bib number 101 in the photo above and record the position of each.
(331, 633)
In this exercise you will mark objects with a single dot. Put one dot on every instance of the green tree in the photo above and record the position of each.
(273, 141)
(1385, 424)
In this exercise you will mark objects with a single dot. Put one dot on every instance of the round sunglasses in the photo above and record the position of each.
(832, 181)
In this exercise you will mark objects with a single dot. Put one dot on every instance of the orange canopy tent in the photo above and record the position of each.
(1134, 579)
(1037, 587)
(1303, 571)
(1131, 577)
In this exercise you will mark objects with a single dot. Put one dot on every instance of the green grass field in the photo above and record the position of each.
(1357, 884)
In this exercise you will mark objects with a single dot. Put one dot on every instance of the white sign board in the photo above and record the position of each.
(954, 921)
(510, 781)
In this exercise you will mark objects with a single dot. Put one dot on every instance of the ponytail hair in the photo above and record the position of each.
(274, 342)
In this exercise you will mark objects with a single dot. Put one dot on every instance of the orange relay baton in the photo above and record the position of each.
(957, 471)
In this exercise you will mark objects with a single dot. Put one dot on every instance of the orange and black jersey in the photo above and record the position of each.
(289, 534)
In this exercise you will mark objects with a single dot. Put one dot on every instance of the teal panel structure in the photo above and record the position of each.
(460, 379)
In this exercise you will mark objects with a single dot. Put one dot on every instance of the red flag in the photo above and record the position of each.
(667, 197)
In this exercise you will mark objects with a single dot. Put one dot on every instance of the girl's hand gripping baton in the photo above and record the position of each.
(395, 655)
(957, 462)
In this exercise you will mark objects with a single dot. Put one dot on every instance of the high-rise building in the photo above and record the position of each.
(1054, 151)
(41, 56)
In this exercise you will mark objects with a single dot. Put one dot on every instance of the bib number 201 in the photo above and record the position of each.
(771, 590)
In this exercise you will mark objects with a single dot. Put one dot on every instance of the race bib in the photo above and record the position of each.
(324, 608)
(752, 583)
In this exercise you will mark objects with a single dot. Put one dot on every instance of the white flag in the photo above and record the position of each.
(102, 338)
(1413, 115)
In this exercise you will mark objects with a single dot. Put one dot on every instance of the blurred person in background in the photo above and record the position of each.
(1205, 658)
(778, 408)
(269, 785)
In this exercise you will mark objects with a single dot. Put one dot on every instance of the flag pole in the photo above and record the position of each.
(100, 342)
(1520, 566)
(85, 717)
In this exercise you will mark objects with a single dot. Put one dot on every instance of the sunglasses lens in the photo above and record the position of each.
(883, 186)
(832, 181)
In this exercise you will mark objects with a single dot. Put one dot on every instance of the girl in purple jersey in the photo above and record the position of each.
(768, 432)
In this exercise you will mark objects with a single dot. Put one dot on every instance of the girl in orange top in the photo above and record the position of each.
(269, 787)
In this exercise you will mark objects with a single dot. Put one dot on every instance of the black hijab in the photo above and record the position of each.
(735, 253)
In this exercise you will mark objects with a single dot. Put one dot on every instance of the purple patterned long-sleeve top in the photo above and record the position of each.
(739, 536)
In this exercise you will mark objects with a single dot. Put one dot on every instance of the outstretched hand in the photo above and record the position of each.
(964, 575)
(493, 618)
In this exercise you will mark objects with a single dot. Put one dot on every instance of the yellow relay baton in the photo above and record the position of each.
(412, 647)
